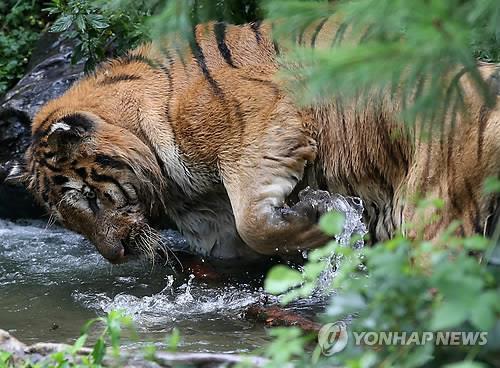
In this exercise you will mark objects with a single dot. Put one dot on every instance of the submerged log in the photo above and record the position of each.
(275, 315)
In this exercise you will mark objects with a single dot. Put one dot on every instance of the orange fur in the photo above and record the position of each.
(207, 135)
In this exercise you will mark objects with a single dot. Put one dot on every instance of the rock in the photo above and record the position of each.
(10, 344)
(50, 74)
(40, 353)
(207, 360)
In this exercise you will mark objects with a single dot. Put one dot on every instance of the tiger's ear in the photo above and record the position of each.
(61, 134)
(65, 133)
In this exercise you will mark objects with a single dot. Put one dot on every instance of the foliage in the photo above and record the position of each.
(111, 328)
(21, 22)
(419, 49)
(410, 285)
(99, 29)
(102, 28)
(182, 15)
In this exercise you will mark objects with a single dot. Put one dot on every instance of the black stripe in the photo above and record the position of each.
(220, 37)
(45, 192)
(255, 27)
(159, 161)
(301, 35)
(93, 204)
(59, 179)
(493, 221)
(49, 155)
(339, 35)
(275, 42)
(134, 58)
(474, 218)
(427, 165)
(82, 172)
(317, 31)
(450, 163)
(109, 198)
(200, 60)
(483, 119)
(108, 161)
(118, 78)
(167, 71)
(268, 83)
(271, 158)
(108, 179)
(43, 162)
(79, 121)
(366, 35)
(276, 47)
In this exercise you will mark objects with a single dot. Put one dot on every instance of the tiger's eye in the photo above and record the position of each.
(89, 194)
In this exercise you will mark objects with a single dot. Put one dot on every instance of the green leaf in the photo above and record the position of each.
(89, 324)
(476, 242)
(491, 185)
(344, 303)
(332, 223)
(173, 340)
(325, 251)
(449, 315)
(80, 23)
(97, 21)
(465, 364)
(4, 357)
(114, 331)
(62, 24)
(282, 278)
(79, 343)
(99, 351)
(483, 312)
(313, 269)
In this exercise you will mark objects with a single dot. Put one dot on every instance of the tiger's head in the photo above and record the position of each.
(97, 179)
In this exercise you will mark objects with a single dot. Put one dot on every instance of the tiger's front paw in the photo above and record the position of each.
(311, 206)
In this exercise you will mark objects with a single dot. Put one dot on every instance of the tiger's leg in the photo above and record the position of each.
(261, 179)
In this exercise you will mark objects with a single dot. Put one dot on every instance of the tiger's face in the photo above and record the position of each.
(98, 180)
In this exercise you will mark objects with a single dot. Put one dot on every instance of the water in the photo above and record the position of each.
(52, 281)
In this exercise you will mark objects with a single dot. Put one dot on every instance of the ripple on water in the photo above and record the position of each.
(53, 276)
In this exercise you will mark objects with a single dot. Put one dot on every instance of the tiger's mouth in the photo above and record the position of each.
(140, 242)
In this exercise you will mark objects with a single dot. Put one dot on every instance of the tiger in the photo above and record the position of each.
(206, 134)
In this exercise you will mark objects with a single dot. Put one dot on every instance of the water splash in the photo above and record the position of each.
(352, 234)
(193, 301)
